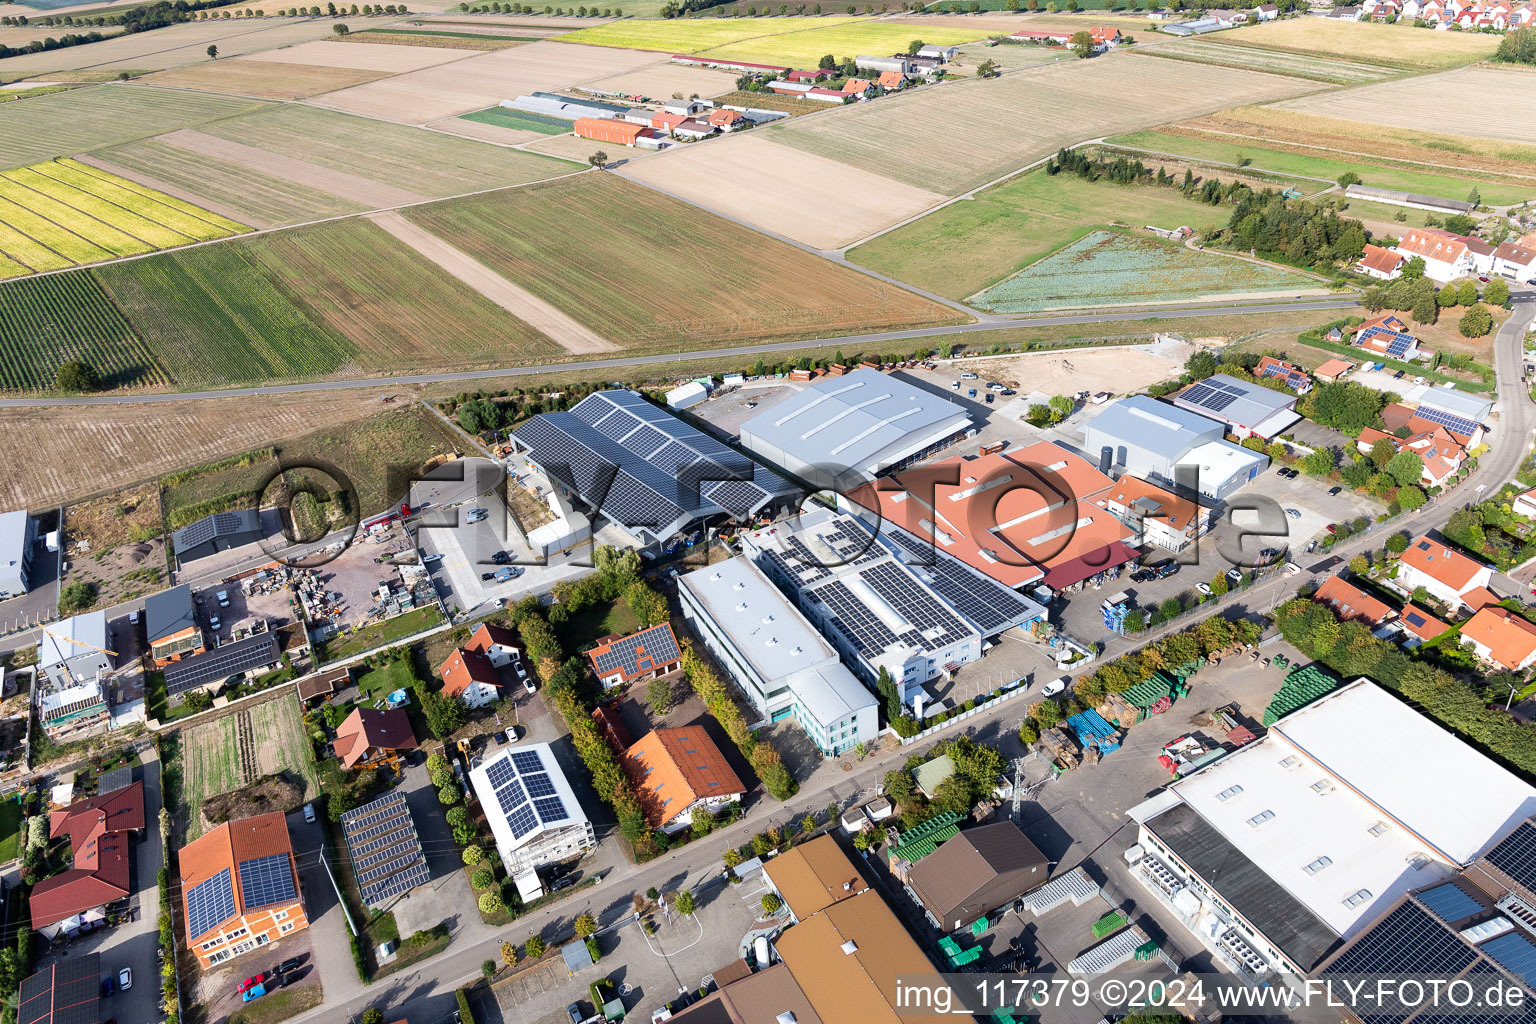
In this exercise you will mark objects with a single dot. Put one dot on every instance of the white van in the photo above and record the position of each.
(309, 813)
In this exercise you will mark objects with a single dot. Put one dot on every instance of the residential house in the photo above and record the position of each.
(471, 676)
(678, 772)
(1468, 432)
(170, 626)
(1294, 376)
(943, 53)
(1447, 574)
(727, 120)
(1388, 336)
(1163, 518)
(891, 80)
(1350, 603)
(240, 888)
(620, 661)
(1104, 38)
(73, 651)
(1525, 503)
(855, 87)
(1382, 264)
(1346, 14)
(531, 808)
(1419, 625)
(1446, 256)
(1515, 262)
(370, 737)
(693, 128)
(1333, 370)
(100, 832)
(1267, 12)
(1501, 637)
(499, 645)
(1441, 453)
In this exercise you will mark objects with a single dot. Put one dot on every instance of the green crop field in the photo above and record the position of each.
(657, 274)
(422, 161)
(1318, 164)
(1107, 268)
(215, 319)
(85, 119)
(50, 320)
(690, 35)
(804, 48)
(964, 247)
(520, 120)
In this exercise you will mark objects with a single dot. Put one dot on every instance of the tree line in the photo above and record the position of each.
(1296, 232)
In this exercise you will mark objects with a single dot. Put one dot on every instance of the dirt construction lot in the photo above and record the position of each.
(809, 198)
(1120, 371)
(1461, 104)
(483, 80)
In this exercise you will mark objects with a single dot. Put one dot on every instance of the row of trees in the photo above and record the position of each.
(1417, 295)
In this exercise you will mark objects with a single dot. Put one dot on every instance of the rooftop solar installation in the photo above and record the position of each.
(1408, 940)
(221, 662)
(1515, 953)
(66, 991)
(266, 881)
(381, 892)
(210, 903)
(986, 603)
(525, 788)
(657, 644)
(384, 848)
(1449, 903)
(1515, 855)
(1449, 420)
(526, 761)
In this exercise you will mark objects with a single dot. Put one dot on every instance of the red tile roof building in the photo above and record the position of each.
(1441, 454)
(240, 888)
(470, 676)
(369, 736)
(1500, 636)
(1446, 573)
(1332, 370)
(100, 831)
(1350, 602)
(677, 772)
(1419, 623)
(1294, 376)
(1383, 264)
(606, 129)
(619, 661)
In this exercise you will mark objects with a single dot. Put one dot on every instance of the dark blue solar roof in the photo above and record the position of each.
(1514, 953)
(267, 880)
(210, 903)
(1449, 903)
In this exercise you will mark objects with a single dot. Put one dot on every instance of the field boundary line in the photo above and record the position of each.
(1215, 163)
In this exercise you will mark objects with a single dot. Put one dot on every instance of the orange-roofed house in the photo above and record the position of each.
(1382, 264)
(1501, 637)
(606, 129)
(1525, 503)
(677, 772)
(1478, 598)
(240, 888)
(100, 831)
(1446, 257)
(622, 660)
(856, 87)
(1162, 517)
(471, 676)
(1446, 574)
(1439, 451)
(892, 80)
(370, 737)
(1292, 375)
(1332, 370)
(1395, 415)
(1104, 37)
(1349, 602)
(727, 120)
(1419, 624)
(499, 645)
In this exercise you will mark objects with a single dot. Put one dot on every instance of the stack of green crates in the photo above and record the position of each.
(1302, 686)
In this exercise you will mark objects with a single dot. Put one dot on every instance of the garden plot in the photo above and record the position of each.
(483, 80)
(984, 135)
(788, 191)
(172, 47)
(1483, 102)
(388, 58)
(486, 130)
(662, 80)
(266, 79)
(1107, 268)
(1280, 62)
(237, 749)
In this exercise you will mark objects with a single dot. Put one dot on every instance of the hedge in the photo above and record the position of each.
(466, 1015)
(765, 760)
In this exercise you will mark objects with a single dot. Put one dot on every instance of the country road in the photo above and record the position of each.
(1173, 313)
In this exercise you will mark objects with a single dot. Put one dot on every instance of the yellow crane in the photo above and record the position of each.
(78, 643)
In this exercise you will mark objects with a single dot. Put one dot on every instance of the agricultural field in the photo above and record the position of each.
(644, 269)
(1108, 268)
(437, 40)
(376, 452)
(483, 80)
(804, 48)
(190, 494)
(218, 319)
(1279, 62)
(63, 213)
(389, 59)
(174, 46)
(984, 136)
(518, 120)
(64, 124)
(266, 79)
(964, 247)
(1399, 46)
(812, 199)
(770, 101)
(237, 749)
(47, 321)
(693, 35)
(662, 81)
(1471, 101)
(1316, 165)
(1010, 56)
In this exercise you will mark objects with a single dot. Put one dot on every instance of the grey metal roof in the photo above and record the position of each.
(14, 537)
(220, 525)
(1154, 426)
(169, 612)
(1462, 403)
(1371, 192)
(852, 420)
(221, 662)
(1243, 885)
(1231, 400)
(89, 628)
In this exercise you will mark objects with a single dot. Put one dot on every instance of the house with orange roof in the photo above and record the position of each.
(1160, 516)
(1420, 626)
(1388, 336)
(1350, 603)
(470, 676)
(1333, 370)
(100, 832)
(240, 888)
(1382, 264)
(1447, 574)
(622, 660)
(1441, 454)
(855, 87)
(1515, 262)
(727, 120)
(1446, 256)
(1501, 638)
(1525, 503)
(1395, 416)
(499, 645)
(1294, 376)
(892, 80)
(370, 737)
(678, 773)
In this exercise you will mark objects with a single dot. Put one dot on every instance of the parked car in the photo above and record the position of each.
(501, 558)
(309, 819)
(562, 883)
(1204, 588)
(967, 376)
(1170, 569)
(1293, 513)
(1332, 528)
(509, 573)
(1334, 490)
(1055, 686)
(223, 597)
(575, 1013)
(1007, 391)
(476, 514)
(291, 964)
(995, 386)
(487, 576)
(1399, 374)
(991, 398)
(255, 992)
(501, 736)
(125, 978)
(251, 982)
(1235, 574)
(1143, 576)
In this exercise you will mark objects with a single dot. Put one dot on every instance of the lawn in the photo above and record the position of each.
(804, 48)
(10, 825)
(964, 247)
(1399, 46)
(690, 35)
(1317, 164)
(381, 634)
(578, 632)
(1105, 268)
(660, 275)
(379, 454)
(380, 682)
(520, 120)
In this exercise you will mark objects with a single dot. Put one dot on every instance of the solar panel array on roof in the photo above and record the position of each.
(657, 643)
(1415, 619)
(266, 881)
(64, 992)
(1449, 903)
(210, 903)
(1397, 342)
(528, 797)
(221, 662)
(990, 606)
(1409, 940)
(385, 850)
(1515, 855)
(1215, 397)
(1449, 420)
(643, 467)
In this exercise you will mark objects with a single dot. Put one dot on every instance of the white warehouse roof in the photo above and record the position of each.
(524, 794)
(1241, 403)
(767, 629)
(1152, 425)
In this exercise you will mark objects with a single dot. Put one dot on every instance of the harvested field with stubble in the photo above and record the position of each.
(1280, 62)
(354, 188)
(59, 454)
(436, 40)
(691, 35)
(797, 193)
(1401, 46)
(265, 79)
(174, 46)
(647, 271)
(1463, 103)
(662, 80)
(389, 59)
(984, 135)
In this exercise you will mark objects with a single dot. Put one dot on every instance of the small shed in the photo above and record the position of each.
(689, 394)
(576, 955)
(931, 774)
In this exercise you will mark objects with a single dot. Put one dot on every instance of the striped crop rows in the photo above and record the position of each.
(52, 320)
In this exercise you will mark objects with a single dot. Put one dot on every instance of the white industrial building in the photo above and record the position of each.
(1158, 441)
(685, 395)
(1277, 853)
(531, 809)
(18, 536)
(1246, 407)
(777, 658)
(840, 431)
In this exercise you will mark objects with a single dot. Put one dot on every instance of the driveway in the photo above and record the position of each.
(447, 898)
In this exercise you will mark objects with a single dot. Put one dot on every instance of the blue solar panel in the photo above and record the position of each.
(511, 795)
(209, 904)
(498, 773)
(267, 880)
(1449, 903)
(1514, 953)
(522, 821)
(550, 809)
(539, 785)
(1455, 424)
(527, 761)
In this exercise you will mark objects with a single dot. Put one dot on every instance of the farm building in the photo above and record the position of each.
(1411, 200)
(532, 811)
(384, 849)
(687, 395)
(1159, 441)
(567, 108)
(1450, 407)
(218, 532)
(1333, 370)
(100, 832)
(677, 772)
(943, 53)
(1286, 863)
(18, 536)
(1049, 38)
(847, 429)
(1247, 409)
(792, 673)
(976, 872)
(620, 133)
(900, 65)
(738, 66)
(1194, 27)
(240, 888)
(643, 470)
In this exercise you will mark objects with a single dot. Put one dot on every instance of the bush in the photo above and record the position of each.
(358, 961)
(448, 795)
(490, 902)
(473, 855)
(771, 903)
(534, 947)
(483, 879)
(466, 1015)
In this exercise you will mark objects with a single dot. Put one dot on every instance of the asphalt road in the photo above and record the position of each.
(672, 357)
